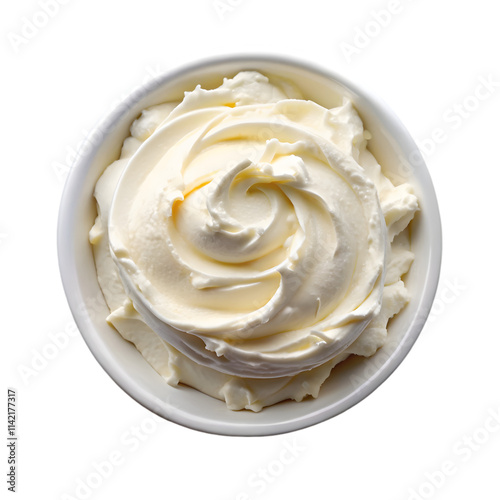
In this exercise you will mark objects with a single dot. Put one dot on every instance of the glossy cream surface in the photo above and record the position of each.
(247, 241)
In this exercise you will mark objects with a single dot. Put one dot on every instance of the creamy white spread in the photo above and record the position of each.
(247, 241)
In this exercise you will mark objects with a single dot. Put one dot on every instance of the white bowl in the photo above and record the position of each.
(351, 381)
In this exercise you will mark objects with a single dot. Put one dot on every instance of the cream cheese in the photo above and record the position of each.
(247, 241)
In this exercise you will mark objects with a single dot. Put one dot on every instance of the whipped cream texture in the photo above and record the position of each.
(247, 241)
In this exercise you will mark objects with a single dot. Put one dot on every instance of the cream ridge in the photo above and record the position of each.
(247, 241)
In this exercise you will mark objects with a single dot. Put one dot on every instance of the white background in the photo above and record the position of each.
(434, 413)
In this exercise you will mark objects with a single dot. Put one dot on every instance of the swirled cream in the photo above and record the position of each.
(247, 241)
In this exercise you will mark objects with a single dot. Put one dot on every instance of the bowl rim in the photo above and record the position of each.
(68, 265)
